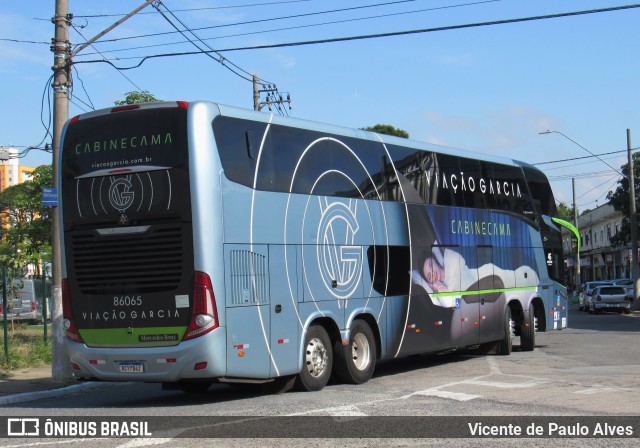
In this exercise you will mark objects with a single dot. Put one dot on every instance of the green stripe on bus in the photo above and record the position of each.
(481, 291)
(143, 336)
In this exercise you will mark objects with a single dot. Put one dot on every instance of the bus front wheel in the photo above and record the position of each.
(317, 360)
(356, 361)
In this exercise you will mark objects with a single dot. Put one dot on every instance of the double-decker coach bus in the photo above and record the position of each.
(204, 243)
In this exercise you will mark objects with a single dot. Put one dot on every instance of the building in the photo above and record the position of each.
(11, 172)
(599, 260)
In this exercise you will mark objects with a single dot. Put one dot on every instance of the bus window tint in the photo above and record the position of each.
(239, 145)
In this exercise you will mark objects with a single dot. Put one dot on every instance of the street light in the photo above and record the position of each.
(575, 142)
(632, 203)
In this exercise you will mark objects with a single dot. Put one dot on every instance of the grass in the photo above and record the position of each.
(26, 348)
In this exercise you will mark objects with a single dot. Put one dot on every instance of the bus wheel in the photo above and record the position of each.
(528, 335)
(506, 343)
(317, 360)
(356, 361)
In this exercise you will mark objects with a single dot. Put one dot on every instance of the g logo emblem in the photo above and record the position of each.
(120, 194)
(339, 260)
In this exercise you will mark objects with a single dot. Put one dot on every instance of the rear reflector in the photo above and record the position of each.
(200, 366)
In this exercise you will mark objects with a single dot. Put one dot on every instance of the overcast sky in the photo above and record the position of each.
(490, 88)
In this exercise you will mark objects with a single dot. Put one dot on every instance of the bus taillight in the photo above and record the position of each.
(70, 329)
(204, 314)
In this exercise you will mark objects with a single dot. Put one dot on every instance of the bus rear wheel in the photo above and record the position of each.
(528, 333)
(356, 361)
(317, 360)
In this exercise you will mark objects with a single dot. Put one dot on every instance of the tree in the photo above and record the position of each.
(388, 130)
(619, 199)
(26, 232)
(565, 212)
(137, 98)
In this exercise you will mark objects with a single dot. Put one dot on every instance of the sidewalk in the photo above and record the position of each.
(29, 381)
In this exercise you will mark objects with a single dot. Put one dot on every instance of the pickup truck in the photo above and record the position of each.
(609, 296)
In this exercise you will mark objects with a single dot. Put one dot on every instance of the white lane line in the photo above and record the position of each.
(347, 411)
(493, 365)
(145, 442)
(595, 390)
(506, 385)
(458, 396)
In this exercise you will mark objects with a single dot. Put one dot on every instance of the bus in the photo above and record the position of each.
(203, 243)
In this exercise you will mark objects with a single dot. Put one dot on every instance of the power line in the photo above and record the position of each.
(584, 157)
(376, 36)
(97, 51)
(234, 68)
(220, 59)
(333, 22)
(249, 5)
(248, 22)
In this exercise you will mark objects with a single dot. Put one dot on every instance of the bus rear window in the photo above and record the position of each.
(148, 137)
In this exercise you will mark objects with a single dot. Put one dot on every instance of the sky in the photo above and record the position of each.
(491, 89)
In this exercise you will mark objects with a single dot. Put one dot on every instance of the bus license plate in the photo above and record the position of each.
(131, 367)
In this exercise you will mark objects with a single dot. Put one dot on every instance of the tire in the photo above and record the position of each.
(626, 311)
(505, 345)
(528, 333)
(356, 361)
(317, 360)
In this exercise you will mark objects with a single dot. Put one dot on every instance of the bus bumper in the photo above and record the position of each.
(200, 358)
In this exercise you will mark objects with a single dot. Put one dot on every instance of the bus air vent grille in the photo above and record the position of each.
(140, 263)
(248, 277)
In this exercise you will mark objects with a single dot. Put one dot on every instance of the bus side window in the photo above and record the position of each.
(389, 267)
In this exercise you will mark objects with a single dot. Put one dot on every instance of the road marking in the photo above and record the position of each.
(145, 442)
(347, 411)
(595, 390)
(493, 365)
(458, 396)
(505, 385)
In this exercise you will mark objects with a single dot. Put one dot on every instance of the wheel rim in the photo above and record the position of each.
(360, 352)
(316, 357)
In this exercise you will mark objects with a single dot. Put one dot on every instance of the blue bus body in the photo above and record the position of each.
(223, 244)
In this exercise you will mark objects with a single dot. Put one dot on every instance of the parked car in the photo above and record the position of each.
(626, 283)
(25, 300)
(609, 296)
(585, 290)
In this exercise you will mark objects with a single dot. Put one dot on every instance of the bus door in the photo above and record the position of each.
(490, 295)
(247, 310)
(468, 306)
(285, 321)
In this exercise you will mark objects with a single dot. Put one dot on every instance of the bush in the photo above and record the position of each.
(26, 348)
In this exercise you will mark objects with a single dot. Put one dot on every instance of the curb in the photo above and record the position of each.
(51, 393)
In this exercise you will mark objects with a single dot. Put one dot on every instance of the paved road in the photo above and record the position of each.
(590, 369)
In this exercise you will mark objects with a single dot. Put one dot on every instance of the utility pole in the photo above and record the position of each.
(62, 55)
(256, 94)
(578, 282)
(273, 96)
(60, 367)
(632, 222)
